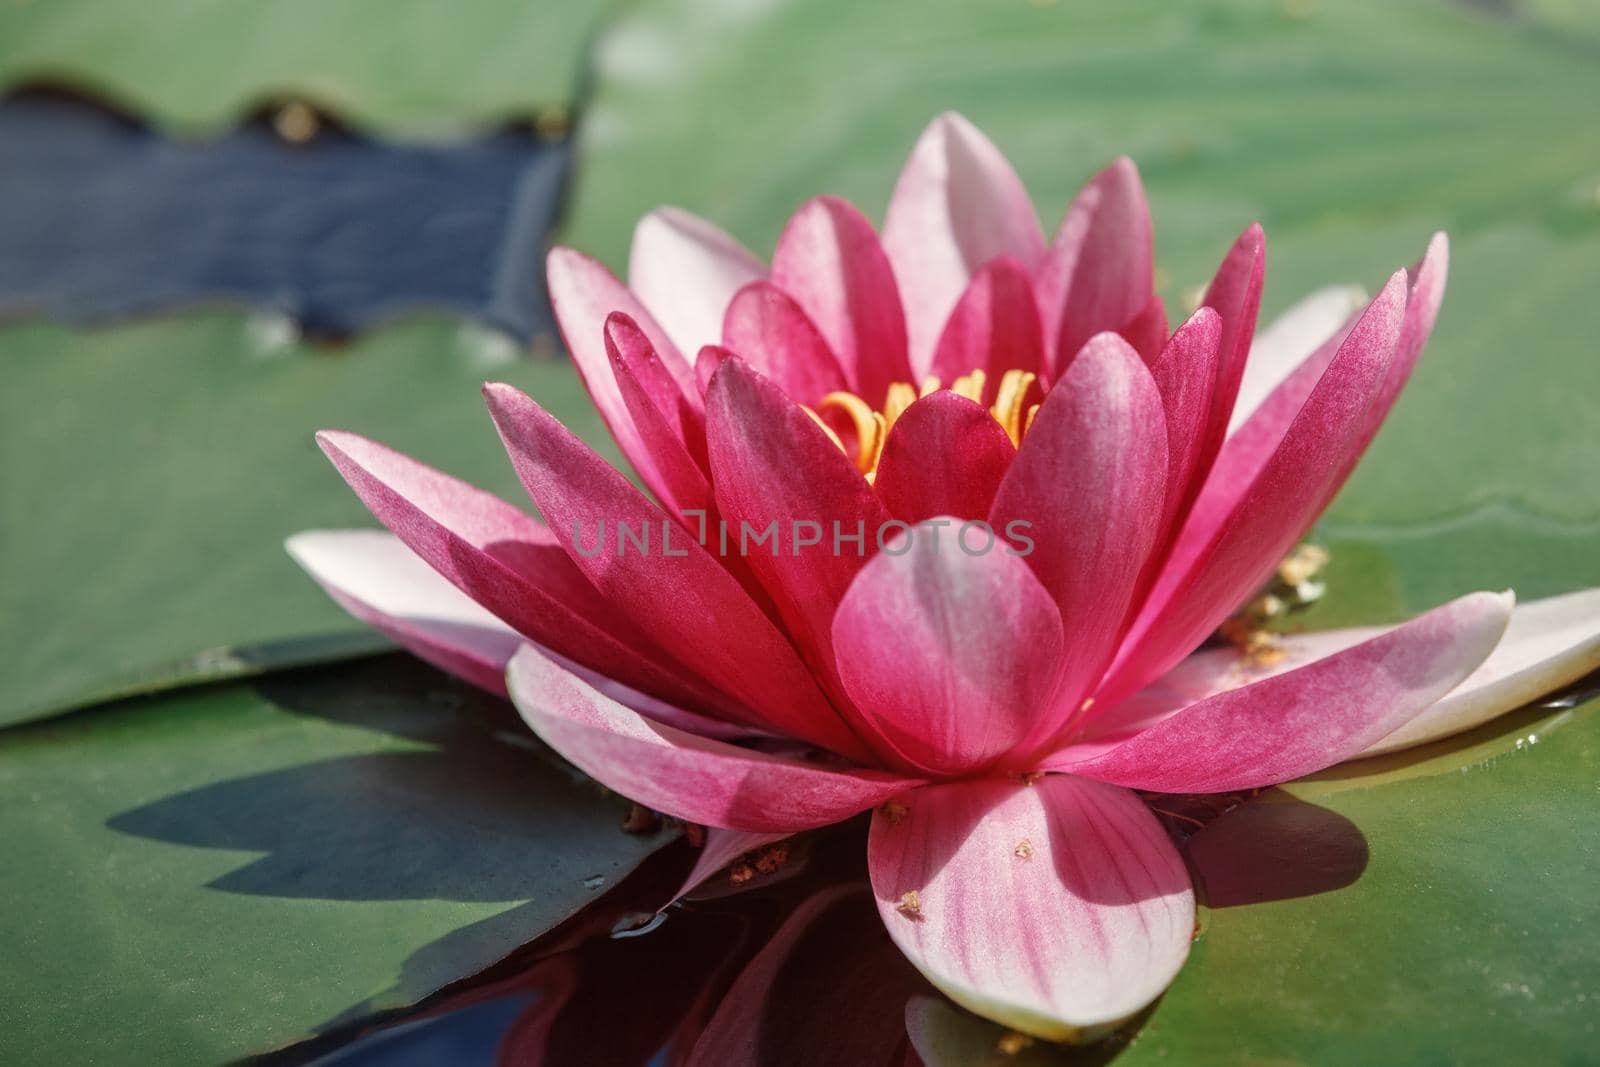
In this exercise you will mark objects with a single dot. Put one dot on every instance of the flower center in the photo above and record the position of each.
(871, 428)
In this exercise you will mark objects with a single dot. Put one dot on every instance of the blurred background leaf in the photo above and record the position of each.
(403, 68)
(150, 472)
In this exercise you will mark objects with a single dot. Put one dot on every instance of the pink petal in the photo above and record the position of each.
(1100, 270)
(1059, 908)
(584, 295)
(952, 656)
(773, 466)
(677, 773)
(686, 270)
(958, 204)
(994, 326)
(659, 419)
(829, 259)
(689, 603)
(1208, 575)
(1299, 722)
(770, 332)
(505, 560)
(1090, 478)
(1285, 343)
(375, 577)
(945, 455)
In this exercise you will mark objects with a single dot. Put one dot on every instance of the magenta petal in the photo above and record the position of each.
(1210, 573)
(1299, 722)
(945, 455)
(1100, 270)
(770, 332)
(830, 261)
(1090, 478)
(660, 419)
(951, 656)
(1058, 908)
(1147, 331)
(773, 467)
(505, 560)
(957, 205)
(685, 270)
(674, 590)
(995, 325)
(1185, 374)
(677, 773)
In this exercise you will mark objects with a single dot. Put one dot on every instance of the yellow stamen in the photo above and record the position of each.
(867, 423)
(1007, 410)
(871, 428)
(970, 386)
(901, 396)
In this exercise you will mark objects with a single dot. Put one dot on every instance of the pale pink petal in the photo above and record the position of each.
(680, 774)
(1307, 719)
(1550, 643)
(584, 295)
(1100, 270)
(1286, 342)
(945, 455)
(380, 581)
(375, 577)
(1058, 908)
(770, 332)
(685, 270)
(829, 259)
(952, 656)
(994, 326)
(957, 205)
(1207, 576)
(674, 590)
(507, 561)
(773, 468)
(1090, 478)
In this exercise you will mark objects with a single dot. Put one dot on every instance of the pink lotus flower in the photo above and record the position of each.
(996, 710)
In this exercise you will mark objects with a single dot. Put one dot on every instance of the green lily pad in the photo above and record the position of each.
(149, 474)
(214, 872)
(405, 68)
(1351, 130)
